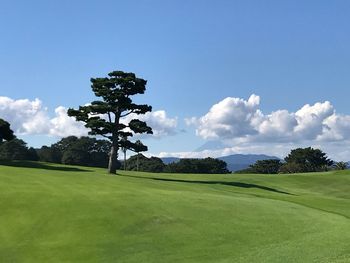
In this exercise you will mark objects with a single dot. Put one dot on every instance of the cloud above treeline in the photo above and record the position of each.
(238, 124)
(235, 120)
(30, 117)
(161, 124)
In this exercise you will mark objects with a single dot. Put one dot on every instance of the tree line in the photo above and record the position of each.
(87, 151)
(208, 165)
(300, 160)
(71, 150)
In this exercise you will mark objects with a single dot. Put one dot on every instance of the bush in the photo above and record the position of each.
(202, 166)
(49, 154)
(77, 151)
(341, 166)
(153, 164)
(270, 166)
(289, 168)
(308, 160)
(16, 149)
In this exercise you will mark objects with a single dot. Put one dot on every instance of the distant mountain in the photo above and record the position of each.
(234, 162)
(237, 162)
(167, 160)
(211, 145)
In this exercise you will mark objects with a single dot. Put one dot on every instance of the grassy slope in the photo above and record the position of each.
(57, 214)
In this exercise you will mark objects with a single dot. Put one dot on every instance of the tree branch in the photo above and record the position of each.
(126, 114)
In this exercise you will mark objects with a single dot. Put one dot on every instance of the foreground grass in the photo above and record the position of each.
(53, 213)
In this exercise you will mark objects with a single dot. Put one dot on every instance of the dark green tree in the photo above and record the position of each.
(136, 147)
(309, 159)
(291, 168)
(5, 131)
(78, 151)
(341, 165)
(270, 166)
(103, 117)
(32, 154)
(202, 166)
(65, 143)
(15, 149)
(139, 147)
(139, 162)
(99, 153)
(49, 154)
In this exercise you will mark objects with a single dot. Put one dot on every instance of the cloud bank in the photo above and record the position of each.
(243, 128)
(237, 120)
(161, 124)
(32, 118)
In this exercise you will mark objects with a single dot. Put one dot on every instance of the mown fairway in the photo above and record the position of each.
(55, 213)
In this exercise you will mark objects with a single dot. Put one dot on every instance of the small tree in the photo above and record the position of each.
(103, 117)
(139, 147)
(5, 131)
(140, 162)
(49, 154)
(270, 166)
(341, 165)
(291, 168)
(85, 151)
(201, 166)
(309, 159)
(15, 149)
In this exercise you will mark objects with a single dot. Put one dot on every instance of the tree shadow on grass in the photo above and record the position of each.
(235, 184)
(39, 165)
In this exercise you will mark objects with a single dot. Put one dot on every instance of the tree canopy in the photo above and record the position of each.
(104, 117)
(204, 166)
(300, 160)
(140, 162)
(341, 165)
(270, 166)
(78, 151)
(5, 131)
(17, 149)
(309, 159)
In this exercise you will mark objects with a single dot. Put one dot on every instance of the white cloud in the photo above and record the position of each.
(278, 124)
(25, 116)
(191, 121)
(63, 125)
(161, 124)
(230, 117)
(311, 119)
(242, 127)
(241, 121)
(31, 118)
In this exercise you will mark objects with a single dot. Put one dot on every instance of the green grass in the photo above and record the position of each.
(52, 213)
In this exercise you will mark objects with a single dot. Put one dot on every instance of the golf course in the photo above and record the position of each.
(58, 213)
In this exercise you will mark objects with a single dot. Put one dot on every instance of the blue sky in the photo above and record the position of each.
(194, 54)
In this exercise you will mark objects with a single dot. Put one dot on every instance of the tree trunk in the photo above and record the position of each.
(113, 160)
(125, 159)
(113, 156)
(137, 161)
